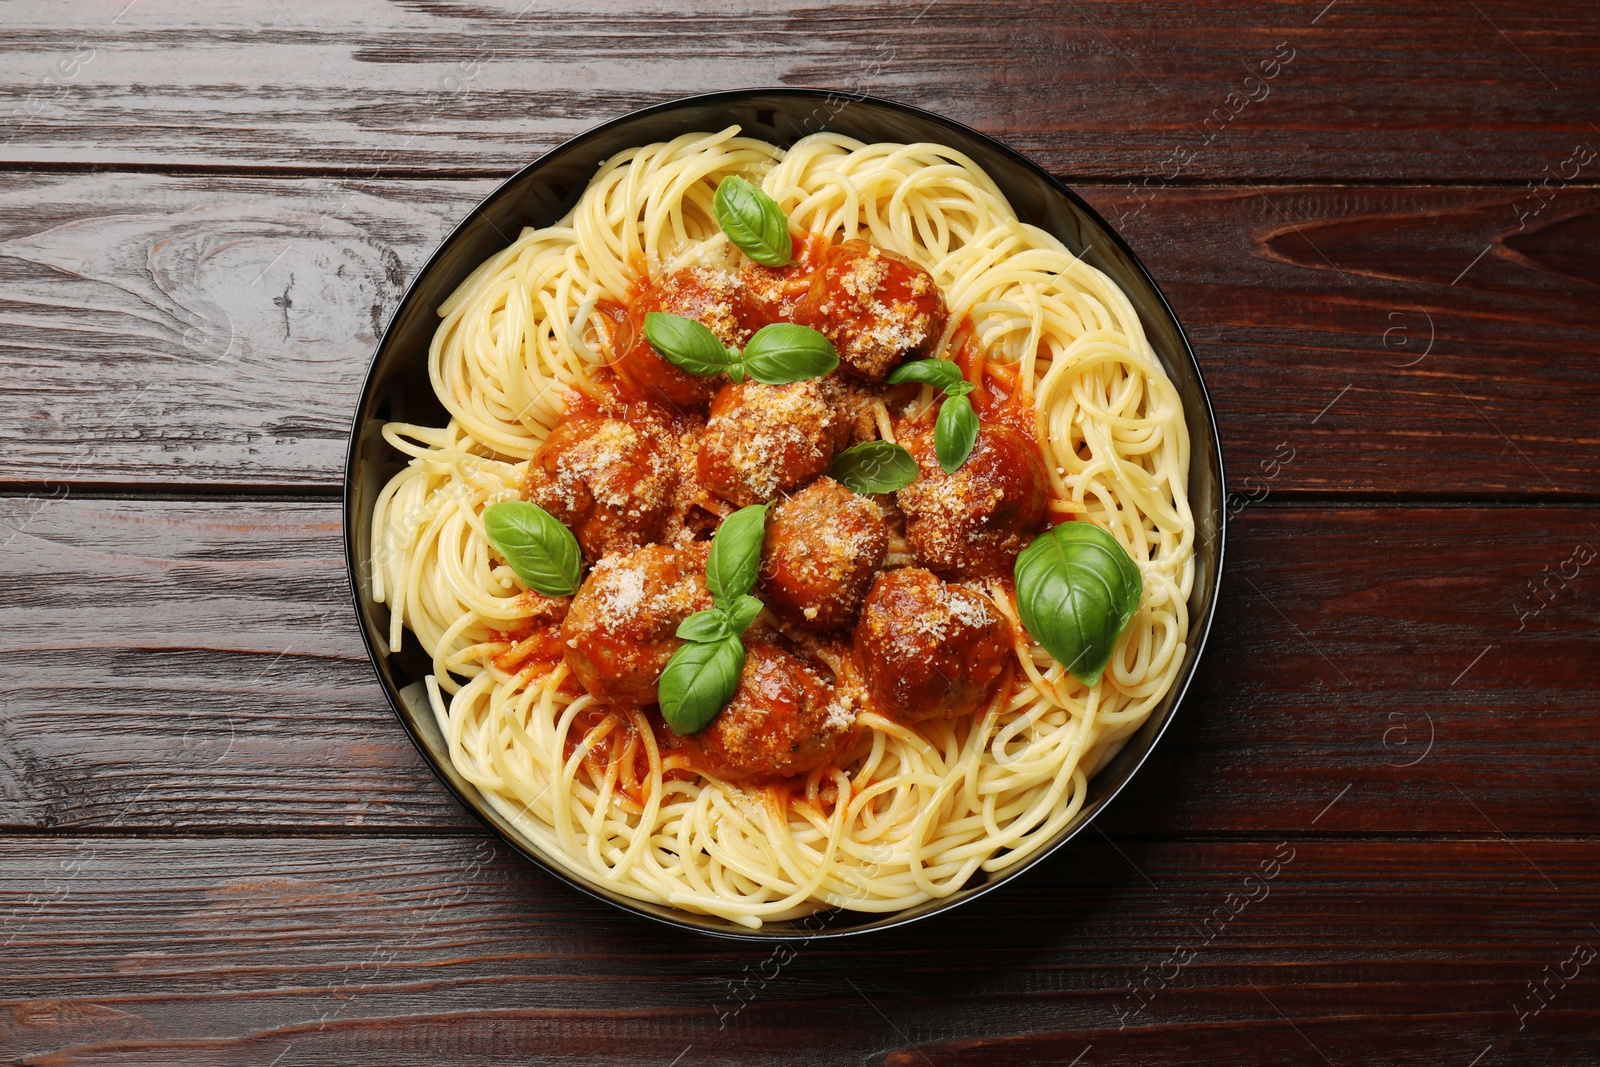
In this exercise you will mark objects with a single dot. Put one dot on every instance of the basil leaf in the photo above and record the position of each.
(542, 551)
(753, 221)
(783, 352)
(961, 388)
(742, 612)
(1077, 590)
(955, 432)
(736, 555)
(712, 625)
(687, 344)
(874, 467)
(697, 681)
(940, 373)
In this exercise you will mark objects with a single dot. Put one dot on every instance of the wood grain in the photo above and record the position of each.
(394, 950)
(199, 669)
(1395, 342)
(1403, 91)
(201, 666)
(216, 337)
(217, 845)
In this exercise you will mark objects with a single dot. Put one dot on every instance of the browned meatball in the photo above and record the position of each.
(772, 292)
(878, 308)
(608, 481)
(620, 631)
(715, 298)
(972, 524)
(784, 719)
(822, 547)
(929, 649)
(764, 439)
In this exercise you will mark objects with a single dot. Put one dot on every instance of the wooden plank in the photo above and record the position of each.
(1174, 90)
(1390, 669)
(1386, 341)
(180, 665)
(397, 950)
(1382, 341)
(200, 666)
(220, 329)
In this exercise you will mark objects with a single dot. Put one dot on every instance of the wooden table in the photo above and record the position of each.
(1379, 224)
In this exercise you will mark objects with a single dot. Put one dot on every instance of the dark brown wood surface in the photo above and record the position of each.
(395, 950)
(1337, 664)
(1342, 324)
(218, 846)
(1092, 88)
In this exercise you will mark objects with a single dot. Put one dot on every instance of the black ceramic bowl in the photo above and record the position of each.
(397, 389)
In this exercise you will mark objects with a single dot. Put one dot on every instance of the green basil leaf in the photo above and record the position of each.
(542, 551)
(687, 344)
(753, 221)
(735, 558)
(961, 388)
(742, 612)
(712, 625)
(1077, 590)
(874, 467)
(783, 352)
(698, 680)
(955, 432)
(939, 373)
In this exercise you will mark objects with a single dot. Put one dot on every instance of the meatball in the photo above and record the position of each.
(608, 481)
(715, 298)
(783, 720)
(972, 524)
(878, 308)
(928, 649)
(764, 439)
(772, 292)
(621, 629)
(822, 547)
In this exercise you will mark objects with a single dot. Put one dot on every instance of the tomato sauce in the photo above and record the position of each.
(542, 648)
(637, 380)
(619, 747)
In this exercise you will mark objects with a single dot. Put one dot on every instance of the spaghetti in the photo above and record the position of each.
(907, 813)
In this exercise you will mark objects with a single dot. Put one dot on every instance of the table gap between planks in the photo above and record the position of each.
(217, 845)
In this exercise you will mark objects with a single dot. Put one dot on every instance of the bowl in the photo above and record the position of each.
(397, 388)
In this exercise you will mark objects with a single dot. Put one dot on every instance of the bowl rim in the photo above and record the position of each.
(683, 920)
